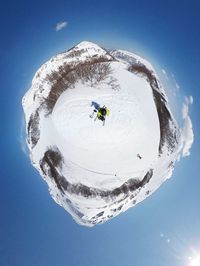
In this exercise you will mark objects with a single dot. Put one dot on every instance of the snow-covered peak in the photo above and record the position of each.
(90, 48)
(87, 44)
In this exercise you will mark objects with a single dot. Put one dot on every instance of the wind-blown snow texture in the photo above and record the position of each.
(93, 171)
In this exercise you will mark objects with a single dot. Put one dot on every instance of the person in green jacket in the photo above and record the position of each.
(102, 113)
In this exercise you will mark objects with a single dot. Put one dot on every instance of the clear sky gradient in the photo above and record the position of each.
(164, 230)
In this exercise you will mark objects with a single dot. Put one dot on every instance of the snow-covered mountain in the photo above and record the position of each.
(93, 171)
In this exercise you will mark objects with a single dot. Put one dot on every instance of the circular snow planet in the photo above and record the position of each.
(100, 131)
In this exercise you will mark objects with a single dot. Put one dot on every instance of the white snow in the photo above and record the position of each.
(131, 127)
(137, 58)
(97, 156)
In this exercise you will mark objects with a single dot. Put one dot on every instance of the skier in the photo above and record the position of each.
(102, 113)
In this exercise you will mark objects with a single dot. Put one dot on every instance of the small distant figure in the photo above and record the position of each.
(138, 155)
(102, 113)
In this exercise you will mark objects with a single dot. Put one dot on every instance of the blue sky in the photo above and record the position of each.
(165, 229)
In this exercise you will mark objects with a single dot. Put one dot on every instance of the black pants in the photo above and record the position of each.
(102, 118)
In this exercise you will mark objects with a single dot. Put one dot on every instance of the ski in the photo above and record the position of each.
(92, 115)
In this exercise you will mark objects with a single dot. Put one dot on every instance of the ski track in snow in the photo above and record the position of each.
(123, 136)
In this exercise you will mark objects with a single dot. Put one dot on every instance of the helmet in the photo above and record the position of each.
(103, 111)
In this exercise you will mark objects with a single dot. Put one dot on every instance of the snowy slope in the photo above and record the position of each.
(95, 171)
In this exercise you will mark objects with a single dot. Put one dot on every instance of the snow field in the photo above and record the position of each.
(108, 151)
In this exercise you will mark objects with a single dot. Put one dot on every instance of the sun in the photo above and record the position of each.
(195, 261)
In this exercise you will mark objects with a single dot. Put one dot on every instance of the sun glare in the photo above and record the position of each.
(195, 261)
